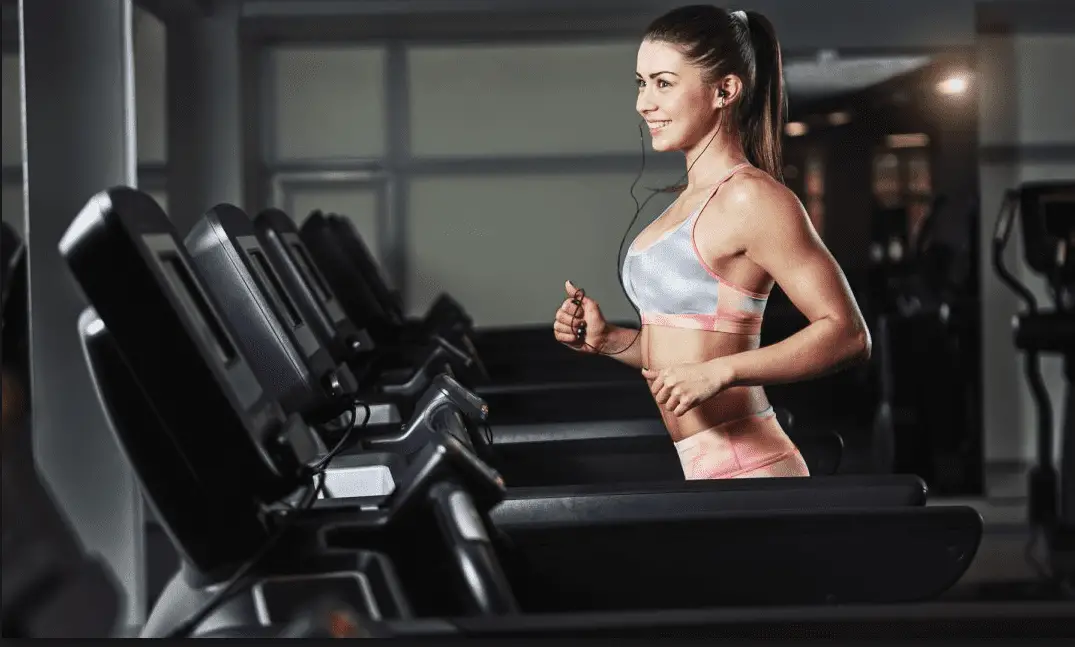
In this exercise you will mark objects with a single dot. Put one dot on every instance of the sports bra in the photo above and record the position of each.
(671, 285)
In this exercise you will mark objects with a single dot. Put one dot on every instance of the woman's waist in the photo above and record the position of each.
(668, 346)
(729, 409)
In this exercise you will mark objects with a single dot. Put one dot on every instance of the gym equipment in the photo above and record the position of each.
(543, 449)
(298, 372)
(212, 455)
(357, 280)
(395, 372)
(927, 305)
(592, 547)
(1046, 212)
(179, 462)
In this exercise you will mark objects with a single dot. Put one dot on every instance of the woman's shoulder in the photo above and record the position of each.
(754, 196)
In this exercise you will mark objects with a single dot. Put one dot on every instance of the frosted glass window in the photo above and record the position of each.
(503, 246)
(1044, 113)
(150, 78)
(12, 117)
(523, 99)
(328, 102)
(12, 207)
(359, 204)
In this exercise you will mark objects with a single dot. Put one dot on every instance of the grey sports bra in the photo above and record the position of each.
(671, 285)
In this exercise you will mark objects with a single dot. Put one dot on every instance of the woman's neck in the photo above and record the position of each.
(709, 164)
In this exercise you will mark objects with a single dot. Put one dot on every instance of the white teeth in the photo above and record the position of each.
(658, 125)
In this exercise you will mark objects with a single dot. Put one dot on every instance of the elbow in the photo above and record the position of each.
(853, 345)
(861, 344)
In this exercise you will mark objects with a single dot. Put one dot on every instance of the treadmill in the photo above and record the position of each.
(260, 280)
(588, 541)
(532, 446)
(567, 391)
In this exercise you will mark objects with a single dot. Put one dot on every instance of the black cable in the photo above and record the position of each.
(317, 487)
(580, 327)
(185, 628)
(322, 464)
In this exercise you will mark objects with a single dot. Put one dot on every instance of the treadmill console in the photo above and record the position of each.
(285, 353)
(314, 296)
(208, 444)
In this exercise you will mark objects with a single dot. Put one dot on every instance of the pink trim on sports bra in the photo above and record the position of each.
(672, 285)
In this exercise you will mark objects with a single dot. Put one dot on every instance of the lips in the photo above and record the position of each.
(657, 126)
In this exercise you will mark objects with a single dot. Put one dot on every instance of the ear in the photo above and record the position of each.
(729, 90)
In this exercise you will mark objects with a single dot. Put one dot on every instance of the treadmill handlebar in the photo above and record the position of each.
(438, 360)
(482, 582)
(443, 393)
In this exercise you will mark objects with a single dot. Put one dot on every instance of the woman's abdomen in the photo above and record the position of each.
(664, 347)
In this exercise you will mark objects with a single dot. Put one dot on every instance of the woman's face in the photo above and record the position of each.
(673, 98)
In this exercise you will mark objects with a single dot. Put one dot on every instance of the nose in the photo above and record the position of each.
(644, 104)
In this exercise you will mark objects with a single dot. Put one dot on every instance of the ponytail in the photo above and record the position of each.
(763, 121)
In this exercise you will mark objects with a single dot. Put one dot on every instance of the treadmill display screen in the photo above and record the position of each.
(182, 282)
(314, 279)
(272, 283)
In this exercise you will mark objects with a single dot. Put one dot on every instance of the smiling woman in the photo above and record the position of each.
(710, 86)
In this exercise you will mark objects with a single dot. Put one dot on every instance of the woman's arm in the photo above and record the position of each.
(623, 345)
(780, 238)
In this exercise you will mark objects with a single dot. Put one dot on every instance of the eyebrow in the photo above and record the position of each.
(656, 74)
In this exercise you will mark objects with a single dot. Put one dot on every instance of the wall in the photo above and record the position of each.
(509, 189)
(149, 42)
(1026, 134)
(73, 450)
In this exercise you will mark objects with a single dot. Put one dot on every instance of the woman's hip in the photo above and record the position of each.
(754, 445)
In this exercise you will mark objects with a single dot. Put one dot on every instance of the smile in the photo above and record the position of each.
(657, 126)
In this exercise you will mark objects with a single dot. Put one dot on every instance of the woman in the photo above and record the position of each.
(710, 85)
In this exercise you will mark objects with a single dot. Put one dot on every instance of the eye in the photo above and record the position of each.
(661, 83)
(639, 83)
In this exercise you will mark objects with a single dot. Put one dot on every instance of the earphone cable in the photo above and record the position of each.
(580, 294)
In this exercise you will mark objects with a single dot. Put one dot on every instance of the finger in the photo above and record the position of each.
(566, 318)
(682, 408)
(563, 328)
(655, 385)
(573, 307)
(570, 288)
(649, 373)
(663, 394)
(672, 402)
(568, 338)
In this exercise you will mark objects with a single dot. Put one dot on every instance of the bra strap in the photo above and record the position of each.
(712, 192)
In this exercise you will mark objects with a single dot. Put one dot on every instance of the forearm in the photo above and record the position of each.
(823, 347)
(624, 345)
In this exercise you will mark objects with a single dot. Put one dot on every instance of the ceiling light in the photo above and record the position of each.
(955, 84)
(795, 129)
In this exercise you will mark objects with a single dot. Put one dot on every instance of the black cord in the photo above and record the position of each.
(185, 628)
(322, 464)
(317, 487)
(580, 326)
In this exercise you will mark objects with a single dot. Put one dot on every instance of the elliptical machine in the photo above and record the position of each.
(1047, 214)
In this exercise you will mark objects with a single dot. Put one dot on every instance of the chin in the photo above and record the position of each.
(664, 146)
(668, 144)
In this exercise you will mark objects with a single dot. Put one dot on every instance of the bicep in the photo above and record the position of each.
(789, 249)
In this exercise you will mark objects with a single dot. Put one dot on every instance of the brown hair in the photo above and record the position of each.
(744, 44)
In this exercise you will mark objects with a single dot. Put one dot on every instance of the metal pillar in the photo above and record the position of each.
(78, 138)
(205, 125)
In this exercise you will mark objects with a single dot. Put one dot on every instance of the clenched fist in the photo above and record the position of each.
(579, 323)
